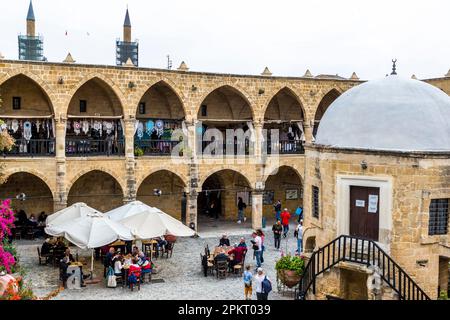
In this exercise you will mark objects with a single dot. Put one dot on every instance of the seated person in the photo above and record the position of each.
(22, 219)
(65, 262)
(134, 272)
(42, 218)
(46, 247)
(238, 254)
(135, 251)
(162, 243)
(118, 266)
(224, 241)
(242, 243)
(144, 263)
(32, 221)
(220, 257)
(127, 260)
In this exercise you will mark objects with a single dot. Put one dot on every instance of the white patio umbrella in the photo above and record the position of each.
(127, 210)
(153, 223)
(76, 210)
(89, 231)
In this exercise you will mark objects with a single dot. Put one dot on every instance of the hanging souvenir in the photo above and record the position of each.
(3, 126)
(27, 130)
(38, 124)
(85, 126)
(97, 126)
(159, 128)
(149, 127)
(76, 127)
(15, 125)
(140, 130)
(108, 127)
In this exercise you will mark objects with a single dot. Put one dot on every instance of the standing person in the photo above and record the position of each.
(285, 216)
(241, 208)
(262, 292)
(277, 230)
(108, 260)
(260, 233)
(299, 213)
(299, 235)
(257, 247)
(277, 207)
(248, 287)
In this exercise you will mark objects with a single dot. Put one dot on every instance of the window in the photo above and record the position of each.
(438, 223)
(204, 110)
(315, 202)
(16, 103)
(142, 108)
(83, 106)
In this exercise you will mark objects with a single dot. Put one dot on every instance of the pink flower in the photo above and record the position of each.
(6, 260)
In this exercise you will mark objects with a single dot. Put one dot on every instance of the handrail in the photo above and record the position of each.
(361, 251)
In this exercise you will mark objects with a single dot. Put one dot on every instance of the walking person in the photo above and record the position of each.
(248, 287)
(260, 233)
(257, 248)
(263, 285)
(241, 207)
(285, 216)
(299, 213)
(277, 229)
(277, 208)
(299, 235)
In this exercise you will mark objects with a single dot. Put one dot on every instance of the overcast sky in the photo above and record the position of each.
(244, 36)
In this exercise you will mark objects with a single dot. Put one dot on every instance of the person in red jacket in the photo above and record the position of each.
(285, 216)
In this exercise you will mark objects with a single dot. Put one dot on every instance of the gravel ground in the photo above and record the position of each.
(183, 275)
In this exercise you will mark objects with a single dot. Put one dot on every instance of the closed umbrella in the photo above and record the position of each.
(76, 210)
(90, 230)
(153, 223)
(127, 210)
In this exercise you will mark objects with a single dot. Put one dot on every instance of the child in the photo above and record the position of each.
(248, 283)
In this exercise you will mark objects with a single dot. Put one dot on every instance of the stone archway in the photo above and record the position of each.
(98, 190)
(172, 198)
(326, 101)
(38, 194)
(218, 198)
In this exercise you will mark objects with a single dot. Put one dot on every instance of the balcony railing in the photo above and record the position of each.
(32, 148)
(155, 147)
(88, 148)
(239, 148)
(284, 147)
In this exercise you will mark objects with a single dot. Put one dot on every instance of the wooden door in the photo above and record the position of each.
(365, 212)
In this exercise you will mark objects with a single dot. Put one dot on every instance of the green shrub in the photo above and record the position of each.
(138, 152)
(293, 263)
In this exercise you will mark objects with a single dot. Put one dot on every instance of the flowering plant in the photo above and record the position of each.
(7, 259)
(6, 141)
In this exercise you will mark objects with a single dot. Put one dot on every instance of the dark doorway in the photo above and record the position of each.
(183, 208)
(210, 199)
(364, 212)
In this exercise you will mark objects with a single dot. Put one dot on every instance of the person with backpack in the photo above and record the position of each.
(299, 213)
(241, 207)
(298, 233)
(263, 285)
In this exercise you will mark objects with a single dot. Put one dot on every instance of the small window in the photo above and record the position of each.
(83, 106)
(204, 110)
(438, 223)
(16, 103)
(142, 108)
(315, 202)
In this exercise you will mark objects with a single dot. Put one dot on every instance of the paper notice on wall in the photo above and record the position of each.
(360, 203)
(373, 203)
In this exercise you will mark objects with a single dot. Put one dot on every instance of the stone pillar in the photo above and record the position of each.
(308, 127)
(258, 125)
(60, 200)
(131, 192)
(191, 140)
(191, 208)
(257, 209)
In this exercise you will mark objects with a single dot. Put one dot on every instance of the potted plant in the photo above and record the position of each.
(290, 270)
(138, 152)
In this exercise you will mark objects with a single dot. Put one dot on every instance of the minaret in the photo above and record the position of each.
(127, 28)
(127, 49)
(31, 28)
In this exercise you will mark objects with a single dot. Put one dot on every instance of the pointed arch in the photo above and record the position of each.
(327, 99)
(289, 91)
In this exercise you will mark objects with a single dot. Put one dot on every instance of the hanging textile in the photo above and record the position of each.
(252, 132)
(300, 127)
(122, 128)
(38, 124)
(85, 126)
(27, 130)
(149, 127)
(136, 125)
(140, 130)
(15, 125)
(159, 128)
(109, 127)
(76, 127)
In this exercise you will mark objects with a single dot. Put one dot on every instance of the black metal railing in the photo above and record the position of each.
(155, 147)
(361, 251)
(284, 147)
(32, 148)
(238, 148)
(88, 147)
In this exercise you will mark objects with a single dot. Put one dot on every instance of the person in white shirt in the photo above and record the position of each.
(118, 265)
(259, 278)
(299, 235)
(257, 247)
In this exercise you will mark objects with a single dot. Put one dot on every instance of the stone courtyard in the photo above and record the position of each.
(182, 273)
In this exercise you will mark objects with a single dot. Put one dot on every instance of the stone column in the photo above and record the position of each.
(308, 127)
(130, 193)
(257, 209)
(258, 125)
(60, 200)
(191, 208)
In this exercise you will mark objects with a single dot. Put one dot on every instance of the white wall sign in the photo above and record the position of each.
(373, 203)
(360, 203)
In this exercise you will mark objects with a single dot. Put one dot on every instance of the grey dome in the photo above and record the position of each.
(392, 114)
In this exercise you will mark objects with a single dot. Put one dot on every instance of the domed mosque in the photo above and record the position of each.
(379, 171)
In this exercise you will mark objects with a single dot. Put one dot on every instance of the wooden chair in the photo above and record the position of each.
(222, 269)
(239, 268)
(17, 233)
(47, 257)
(30, 233)
(146, 275)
